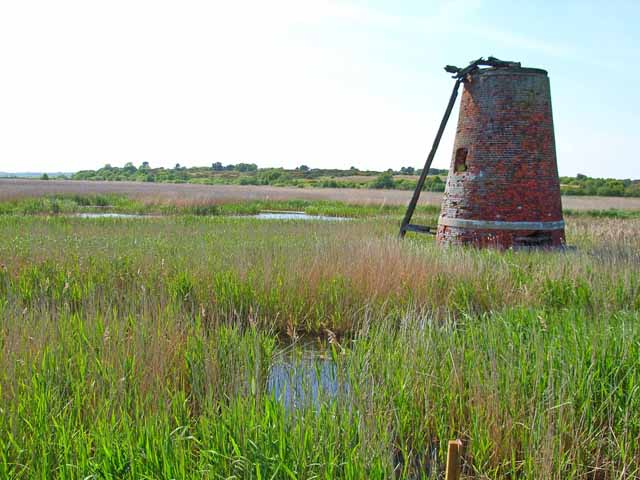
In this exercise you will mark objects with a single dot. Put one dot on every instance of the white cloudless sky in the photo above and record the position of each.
(290, 82)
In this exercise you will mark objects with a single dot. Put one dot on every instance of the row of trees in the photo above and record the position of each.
(240, 167)
(250, 174)
(387, 181)
(583, 185)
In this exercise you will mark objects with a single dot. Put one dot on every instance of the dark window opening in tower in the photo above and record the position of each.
(460, 162)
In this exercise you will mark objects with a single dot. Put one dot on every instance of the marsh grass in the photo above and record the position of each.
(142, 348)
(70, 203)
(12, 189)
(64, 204)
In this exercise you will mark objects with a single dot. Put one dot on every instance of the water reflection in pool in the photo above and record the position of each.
(260, 216)
(295, 216)
(112, 215)
(301, 377)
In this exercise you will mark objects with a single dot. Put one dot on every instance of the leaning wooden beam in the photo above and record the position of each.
(427, 165)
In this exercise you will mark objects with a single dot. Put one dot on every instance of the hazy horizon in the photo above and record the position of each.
(326, 83)
(4, 174)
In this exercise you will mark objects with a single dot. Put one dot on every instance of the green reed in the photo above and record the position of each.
(142, 349)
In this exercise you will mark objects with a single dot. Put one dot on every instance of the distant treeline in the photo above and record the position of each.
(607, 187)
(249, 174)
(403, 179)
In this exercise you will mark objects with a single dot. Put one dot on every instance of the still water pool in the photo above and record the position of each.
(111, 215)
(302, 377)
(295, 216)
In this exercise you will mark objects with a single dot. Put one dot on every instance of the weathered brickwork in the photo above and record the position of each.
(503, 167)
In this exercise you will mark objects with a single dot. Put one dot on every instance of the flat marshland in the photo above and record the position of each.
(144, 348)
(186, 194)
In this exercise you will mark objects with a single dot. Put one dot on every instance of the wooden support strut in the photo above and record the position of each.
(453, 460)
(460, 74)
(425, 171)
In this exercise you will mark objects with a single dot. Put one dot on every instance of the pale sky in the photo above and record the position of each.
(290, 82)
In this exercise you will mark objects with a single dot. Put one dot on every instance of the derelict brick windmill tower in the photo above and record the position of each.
(503, 188)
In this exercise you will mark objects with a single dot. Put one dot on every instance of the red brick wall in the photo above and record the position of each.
(506, 126)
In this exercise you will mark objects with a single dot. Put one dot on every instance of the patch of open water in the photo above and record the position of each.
(296, 216)
(260, 216)
(112, 215)
(303, 376)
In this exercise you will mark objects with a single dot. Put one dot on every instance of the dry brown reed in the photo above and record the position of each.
(116, 334)
(182, 195)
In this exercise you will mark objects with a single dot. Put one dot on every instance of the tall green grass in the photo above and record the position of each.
(141, 348)
(117, 397)
(306, 276)
(117, 203)
(69, 204)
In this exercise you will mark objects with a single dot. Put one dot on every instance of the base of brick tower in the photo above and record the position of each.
(501, 239)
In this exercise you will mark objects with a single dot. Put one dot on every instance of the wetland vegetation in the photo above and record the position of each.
(147, 347)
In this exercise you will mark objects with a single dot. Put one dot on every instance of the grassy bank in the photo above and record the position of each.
(71, 204)
(65, 204)
(141, 348)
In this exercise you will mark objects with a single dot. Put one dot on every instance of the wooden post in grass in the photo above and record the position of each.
(453, 460)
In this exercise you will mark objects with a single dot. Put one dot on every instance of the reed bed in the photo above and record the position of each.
(141, 348)
(186, 194)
